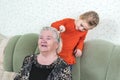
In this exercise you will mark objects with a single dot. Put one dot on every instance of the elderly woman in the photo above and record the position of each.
(46, 65)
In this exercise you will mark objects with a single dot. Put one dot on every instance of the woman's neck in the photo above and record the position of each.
(46, 58)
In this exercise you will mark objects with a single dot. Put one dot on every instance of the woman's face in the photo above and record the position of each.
(47, 42)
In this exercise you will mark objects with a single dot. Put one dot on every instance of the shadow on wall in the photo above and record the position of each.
(107, 30)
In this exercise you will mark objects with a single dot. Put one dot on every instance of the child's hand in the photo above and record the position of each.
(77, 52)
(62, 28)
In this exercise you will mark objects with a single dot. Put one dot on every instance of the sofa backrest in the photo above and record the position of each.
(17, 48)
(100, 59)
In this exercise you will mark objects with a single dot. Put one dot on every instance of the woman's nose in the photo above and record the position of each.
(43, 40)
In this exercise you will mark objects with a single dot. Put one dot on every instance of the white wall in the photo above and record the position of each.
(25, 16)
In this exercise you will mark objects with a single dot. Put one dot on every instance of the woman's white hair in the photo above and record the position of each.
(56, 35)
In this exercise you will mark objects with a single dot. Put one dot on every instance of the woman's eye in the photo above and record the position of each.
(48, 38)
(40, 38)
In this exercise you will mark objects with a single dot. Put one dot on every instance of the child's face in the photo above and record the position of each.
(82, 25)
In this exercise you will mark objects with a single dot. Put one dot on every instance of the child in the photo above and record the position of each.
(73, 33)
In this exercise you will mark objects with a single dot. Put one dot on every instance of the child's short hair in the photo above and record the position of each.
(91, 17)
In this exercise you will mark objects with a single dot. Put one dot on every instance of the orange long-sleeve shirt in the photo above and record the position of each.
(71, 39)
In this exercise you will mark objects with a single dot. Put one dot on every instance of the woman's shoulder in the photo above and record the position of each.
(62, 62)
(63, 69)
(30, 57)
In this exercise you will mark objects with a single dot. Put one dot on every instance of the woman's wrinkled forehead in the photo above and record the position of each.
(46, 33)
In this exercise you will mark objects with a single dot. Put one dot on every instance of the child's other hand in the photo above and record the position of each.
(77, 52)
(62, 28)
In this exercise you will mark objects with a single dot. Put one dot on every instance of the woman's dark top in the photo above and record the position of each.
(58, 70)
(40, 72)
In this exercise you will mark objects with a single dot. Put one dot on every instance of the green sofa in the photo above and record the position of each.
(100, 59)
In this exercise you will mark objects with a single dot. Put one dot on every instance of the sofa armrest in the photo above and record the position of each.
(2, 47)
(5, 75)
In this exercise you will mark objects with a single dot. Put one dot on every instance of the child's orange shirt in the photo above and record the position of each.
(71, 39)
